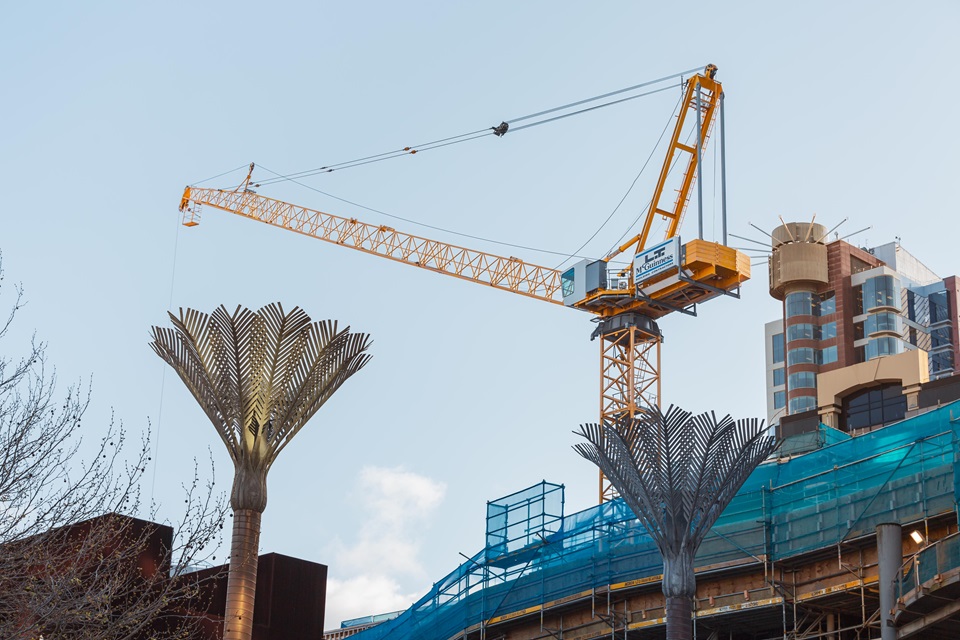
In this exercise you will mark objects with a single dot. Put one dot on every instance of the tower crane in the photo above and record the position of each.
(665, 277)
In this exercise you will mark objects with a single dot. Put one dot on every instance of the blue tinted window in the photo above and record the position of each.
(803, 403)
(828, 331)
(801, 331)
(566, 283)
(803, 380)
(803, 355)
(777, 346)
(828, 304)
(941, 361)
(884, 346)
(827, 355)
(801, 303)
(883, 321)
(779, 399)
(778, 377)
(939, 309)
(941, 337)
(881, 291)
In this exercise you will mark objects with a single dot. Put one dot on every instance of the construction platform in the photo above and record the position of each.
(793, 556)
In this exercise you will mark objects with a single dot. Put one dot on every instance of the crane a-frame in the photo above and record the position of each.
(627, 302)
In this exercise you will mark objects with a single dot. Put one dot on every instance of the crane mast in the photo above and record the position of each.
(665, 278)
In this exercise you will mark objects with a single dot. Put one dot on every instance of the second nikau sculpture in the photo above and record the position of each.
(259, 376)
(677, 472)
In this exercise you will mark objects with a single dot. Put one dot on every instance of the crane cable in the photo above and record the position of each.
(498, 130)
(567, 256)
(408, 220)
(630, 188)
(647, 207)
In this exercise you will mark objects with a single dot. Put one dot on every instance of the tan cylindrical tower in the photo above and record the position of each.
(798, 271)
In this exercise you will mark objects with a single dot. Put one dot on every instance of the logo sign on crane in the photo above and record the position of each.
(655, 260)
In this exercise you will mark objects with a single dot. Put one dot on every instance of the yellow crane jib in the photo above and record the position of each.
(663, 278)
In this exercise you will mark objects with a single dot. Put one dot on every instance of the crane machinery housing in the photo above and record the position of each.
(664, 278)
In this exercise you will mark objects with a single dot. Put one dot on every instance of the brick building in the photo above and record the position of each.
(863, 331)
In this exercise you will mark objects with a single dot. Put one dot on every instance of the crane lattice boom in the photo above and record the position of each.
(511, 274)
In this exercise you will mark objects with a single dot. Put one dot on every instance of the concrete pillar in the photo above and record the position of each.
(889, 559)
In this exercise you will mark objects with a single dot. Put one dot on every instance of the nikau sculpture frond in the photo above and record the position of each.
(259, 376)
(677, 472)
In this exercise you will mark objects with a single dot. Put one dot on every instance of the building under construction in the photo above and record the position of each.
(794, 556)
(796, 553)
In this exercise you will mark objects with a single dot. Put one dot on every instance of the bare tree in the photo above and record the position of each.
(71, 566)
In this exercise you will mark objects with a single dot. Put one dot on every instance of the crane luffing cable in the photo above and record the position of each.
(498, 130)
(629, 189)
(422, 224)
(567, 256)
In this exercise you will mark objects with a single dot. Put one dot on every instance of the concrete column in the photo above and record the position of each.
(889, 558)
(831, 627)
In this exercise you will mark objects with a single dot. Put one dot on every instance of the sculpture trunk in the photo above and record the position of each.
(679, 589)
(242, 579)
(679, 624)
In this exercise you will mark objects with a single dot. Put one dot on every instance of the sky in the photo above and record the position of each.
(839, 110)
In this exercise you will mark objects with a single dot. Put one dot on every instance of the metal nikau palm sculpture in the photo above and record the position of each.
(677, 472)
(259, 377)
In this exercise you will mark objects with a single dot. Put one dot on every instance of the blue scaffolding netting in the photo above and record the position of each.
(537, 555)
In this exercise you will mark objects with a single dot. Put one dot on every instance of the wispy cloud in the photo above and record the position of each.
(380, 569)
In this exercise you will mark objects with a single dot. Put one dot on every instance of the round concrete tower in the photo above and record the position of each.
(798, 272)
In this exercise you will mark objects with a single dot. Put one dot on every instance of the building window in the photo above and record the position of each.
(567, 285)
(883, 321)
(801, 303)
(828, 331)
(881, 291)
(803, 355)
(778, 377)
(779, 399)
(802, 403)
(777, 344)
(801, 331)
(803, 380)
(885, 346)
(874, 407)
(827, 355)
(939, 309)
(828, 304)
(941, 361)
(941, 337)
